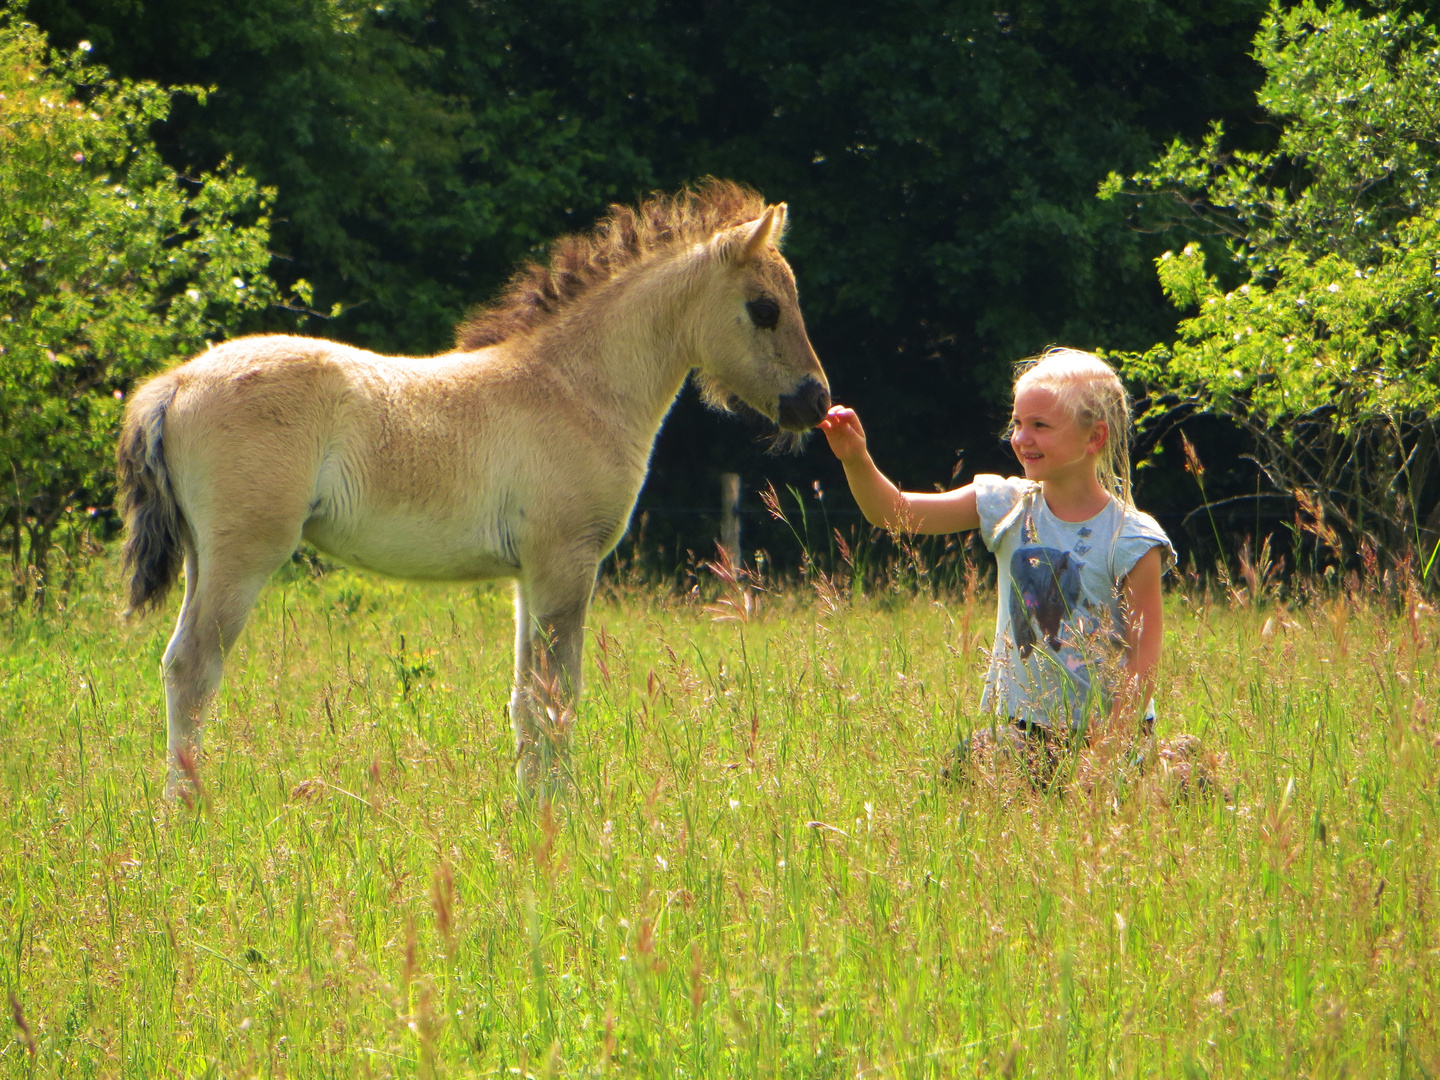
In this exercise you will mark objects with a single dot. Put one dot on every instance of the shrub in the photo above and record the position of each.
(1326, 354)
(111, 266)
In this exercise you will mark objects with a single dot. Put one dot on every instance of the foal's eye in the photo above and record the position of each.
(764, 312)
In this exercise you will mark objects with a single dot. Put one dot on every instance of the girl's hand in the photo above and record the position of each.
(844, 433)
(883, 504)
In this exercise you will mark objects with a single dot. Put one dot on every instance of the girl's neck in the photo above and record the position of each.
(1078, 499)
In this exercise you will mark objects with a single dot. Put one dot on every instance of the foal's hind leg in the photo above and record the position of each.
(220, 590)
(184, 707)
(549, 641)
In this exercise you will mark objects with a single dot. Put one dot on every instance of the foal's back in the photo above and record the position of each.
(373, 457)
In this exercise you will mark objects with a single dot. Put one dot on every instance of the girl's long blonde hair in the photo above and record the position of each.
(1090, 391)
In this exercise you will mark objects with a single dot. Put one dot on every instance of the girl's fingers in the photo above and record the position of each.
(843, 432)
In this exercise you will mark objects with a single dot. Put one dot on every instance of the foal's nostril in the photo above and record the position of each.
(806, 407)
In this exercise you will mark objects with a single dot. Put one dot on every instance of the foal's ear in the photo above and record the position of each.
(765, 232)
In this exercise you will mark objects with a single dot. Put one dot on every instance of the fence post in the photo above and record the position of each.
(730, 515)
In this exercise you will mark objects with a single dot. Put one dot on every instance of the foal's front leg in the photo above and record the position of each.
(549, 642)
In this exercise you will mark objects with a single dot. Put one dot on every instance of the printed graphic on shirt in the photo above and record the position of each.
(1045, 590)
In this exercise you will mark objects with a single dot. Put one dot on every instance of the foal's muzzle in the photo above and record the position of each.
(805, 407)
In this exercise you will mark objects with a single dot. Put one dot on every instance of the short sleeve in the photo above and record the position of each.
(995, 497)
(1138, 534)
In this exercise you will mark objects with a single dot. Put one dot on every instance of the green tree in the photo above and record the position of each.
(111, 266)
(419, 148)
(1326, 354)
(940, 158)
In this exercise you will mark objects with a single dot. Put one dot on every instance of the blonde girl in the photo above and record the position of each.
(1078, 626)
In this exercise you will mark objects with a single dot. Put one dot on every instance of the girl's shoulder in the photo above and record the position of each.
(1139, 532)
(1135, 522)
(997, 499)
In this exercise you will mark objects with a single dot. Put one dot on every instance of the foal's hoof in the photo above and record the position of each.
(183, 789)
(541, 779)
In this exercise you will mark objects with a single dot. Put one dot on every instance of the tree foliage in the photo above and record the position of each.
(1326, 354)
(940, 158)
(111, 266)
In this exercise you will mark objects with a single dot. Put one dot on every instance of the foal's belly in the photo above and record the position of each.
(416, 549)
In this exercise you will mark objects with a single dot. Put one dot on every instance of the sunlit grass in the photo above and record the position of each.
(758, 871)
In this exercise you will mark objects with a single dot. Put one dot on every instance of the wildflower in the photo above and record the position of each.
(1192, 459)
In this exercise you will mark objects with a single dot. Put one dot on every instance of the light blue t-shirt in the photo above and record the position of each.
(1060, 627)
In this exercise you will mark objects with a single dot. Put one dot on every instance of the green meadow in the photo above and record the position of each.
(758, 869)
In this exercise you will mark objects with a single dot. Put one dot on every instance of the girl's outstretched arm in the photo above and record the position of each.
(882, 503)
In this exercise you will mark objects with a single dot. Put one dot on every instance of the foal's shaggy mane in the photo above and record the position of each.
(623, 237)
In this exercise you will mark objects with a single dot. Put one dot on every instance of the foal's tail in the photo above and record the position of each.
(153, 546)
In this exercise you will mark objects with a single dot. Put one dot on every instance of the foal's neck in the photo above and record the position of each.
(627, 347)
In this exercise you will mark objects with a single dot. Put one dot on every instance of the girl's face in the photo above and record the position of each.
(1050, 444)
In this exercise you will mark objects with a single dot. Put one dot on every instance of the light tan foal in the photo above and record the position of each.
(520, 456)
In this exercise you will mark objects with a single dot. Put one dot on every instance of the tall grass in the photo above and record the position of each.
(758, 870)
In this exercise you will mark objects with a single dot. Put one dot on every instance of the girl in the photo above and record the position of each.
(1079, 565)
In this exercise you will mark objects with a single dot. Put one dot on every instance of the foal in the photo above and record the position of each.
(519, 455)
